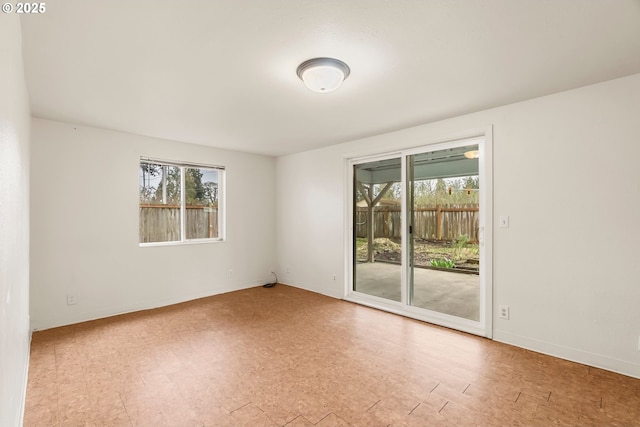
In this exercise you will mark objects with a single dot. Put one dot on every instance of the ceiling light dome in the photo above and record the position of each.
(472, 154)
(323, 74)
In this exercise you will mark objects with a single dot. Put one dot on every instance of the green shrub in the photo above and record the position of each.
(462, 241)
(442, 263)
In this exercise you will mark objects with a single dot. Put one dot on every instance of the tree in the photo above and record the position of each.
(148, 171)
(161, 184)
(211, 192)
(170, 177)
(449, 191)
(441, 187)
(472, 182)
(194, 190)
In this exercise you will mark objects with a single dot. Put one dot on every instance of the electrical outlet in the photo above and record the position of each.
(334, 277)
(230, 274)
(288, 270)
(71, 299)
(504, 312)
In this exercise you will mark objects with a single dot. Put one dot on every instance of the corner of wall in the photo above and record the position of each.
(14, 224)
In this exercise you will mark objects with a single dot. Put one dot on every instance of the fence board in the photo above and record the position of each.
(455, 221)
(161, 223)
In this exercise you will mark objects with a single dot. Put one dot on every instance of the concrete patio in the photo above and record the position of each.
(453, 293)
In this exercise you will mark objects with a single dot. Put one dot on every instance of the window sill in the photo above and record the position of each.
(180, 243)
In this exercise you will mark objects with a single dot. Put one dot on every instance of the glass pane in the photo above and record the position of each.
(378, 229)
(159, 203)
(201, 196)
(444, 214)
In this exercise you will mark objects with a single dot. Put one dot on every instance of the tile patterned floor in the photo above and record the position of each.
(288, 357)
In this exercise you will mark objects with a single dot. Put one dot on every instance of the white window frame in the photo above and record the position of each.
(221, 203)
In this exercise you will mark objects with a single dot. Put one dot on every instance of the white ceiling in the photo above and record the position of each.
(223, 72)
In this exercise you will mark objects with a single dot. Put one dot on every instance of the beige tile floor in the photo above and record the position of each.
(284, 356)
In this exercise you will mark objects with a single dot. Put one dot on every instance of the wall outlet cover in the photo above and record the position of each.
(504, 312)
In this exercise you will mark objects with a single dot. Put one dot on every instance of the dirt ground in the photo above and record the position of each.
(465, 255)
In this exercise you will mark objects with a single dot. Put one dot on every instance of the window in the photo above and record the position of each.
(180, 202)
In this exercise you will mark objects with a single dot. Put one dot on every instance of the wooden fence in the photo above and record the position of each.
(161, 223)
(441, 222)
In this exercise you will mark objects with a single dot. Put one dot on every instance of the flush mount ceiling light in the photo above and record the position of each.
(323, 74)
(472, 154)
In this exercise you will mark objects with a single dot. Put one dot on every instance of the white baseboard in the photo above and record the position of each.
(574, 355)
(315, 289)
(43, 324)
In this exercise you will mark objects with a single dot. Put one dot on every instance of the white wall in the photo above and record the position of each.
(84, 228)
(565, 171)
(14, 224)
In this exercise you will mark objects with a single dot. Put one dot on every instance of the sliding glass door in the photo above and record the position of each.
(444, 263)
(378, 230)
(418, 220)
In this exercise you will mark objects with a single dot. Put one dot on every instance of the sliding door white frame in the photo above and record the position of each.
(483, 327)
